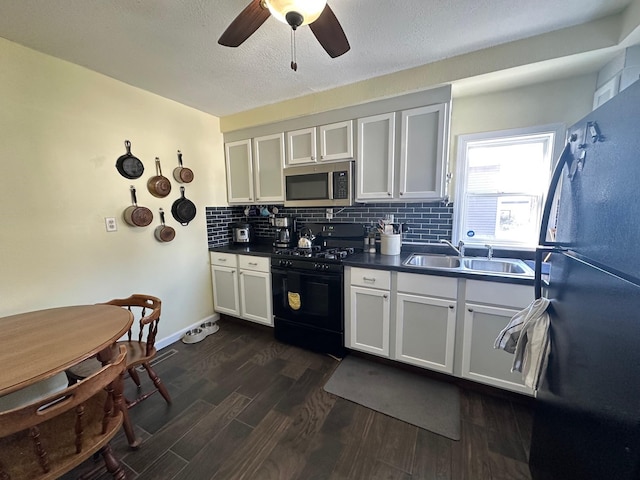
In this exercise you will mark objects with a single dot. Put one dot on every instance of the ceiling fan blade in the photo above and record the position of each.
(329, 33)
(244, 24)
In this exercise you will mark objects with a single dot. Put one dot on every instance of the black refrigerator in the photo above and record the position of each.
(587, 419)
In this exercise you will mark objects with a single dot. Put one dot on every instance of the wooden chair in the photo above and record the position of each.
(51, 436)
(140, 351)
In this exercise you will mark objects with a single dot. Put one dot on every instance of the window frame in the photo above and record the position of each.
(558, 132)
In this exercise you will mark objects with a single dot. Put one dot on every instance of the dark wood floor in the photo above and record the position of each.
(248, 407)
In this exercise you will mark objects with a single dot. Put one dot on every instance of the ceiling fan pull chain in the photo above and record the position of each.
(294, 63)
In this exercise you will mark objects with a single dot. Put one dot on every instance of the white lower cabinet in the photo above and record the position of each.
(426, 321)
(369, 314)
(224, 279)
(255, 289)
(242, 286)
(425, 331)
(419, 319)
(488, 308)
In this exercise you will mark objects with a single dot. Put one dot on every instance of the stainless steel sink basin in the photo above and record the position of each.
(497, 265)
(432, 261)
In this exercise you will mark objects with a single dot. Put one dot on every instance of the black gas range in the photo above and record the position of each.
(308, 288)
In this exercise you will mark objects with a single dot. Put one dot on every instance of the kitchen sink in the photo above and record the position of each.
(497, 265)
(432, 261)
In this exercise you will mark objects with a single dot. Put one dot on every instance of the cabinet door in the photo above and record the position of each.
(423, 152)
(268, 160)
(255, 295)
(369, 320)
(425, 331)
(376, 147)
(480, 361)
(225, 290)
(239, 172)
(301, 146)
(336, 141)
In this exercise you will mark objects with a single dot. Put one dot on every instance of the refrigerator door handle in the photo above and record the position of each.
(566, 157)
(541, 253)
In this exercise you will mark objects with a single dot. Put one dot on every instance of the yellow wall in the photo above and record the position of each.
(63, 127)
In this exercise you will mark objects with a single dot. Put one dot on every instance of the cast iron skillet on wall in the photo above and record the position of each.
(129, 166)
(183, 209)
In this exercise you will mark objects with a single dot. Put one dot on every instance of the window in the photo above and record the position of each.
(502, 178)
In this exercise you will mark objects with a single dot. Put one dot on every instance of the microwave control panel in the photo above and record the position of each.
(340, 185)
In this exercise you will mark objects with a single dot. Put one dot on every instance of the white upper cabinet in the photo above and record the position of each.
(269, 163)
(374, 163)
(254, 175)
(336, 141)
(301, 146)
(419, 172)
(239, 172)
(423, 153)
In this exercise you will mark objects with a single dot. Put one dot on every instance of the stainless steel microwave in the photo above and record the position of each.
(321, 185)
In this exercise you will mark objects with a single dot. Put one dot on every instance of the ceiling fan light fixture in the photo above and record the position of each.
(309, 10)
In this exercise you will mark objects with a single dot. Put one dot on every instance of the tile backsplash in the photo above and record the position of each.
(427, 222)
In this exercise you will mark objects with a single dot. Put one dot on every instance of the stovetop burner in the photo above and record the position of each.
(316, 252)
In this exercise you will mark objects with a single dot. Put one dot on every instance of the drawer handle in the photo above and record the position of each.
(253, 263)
(368, 279)
(222, 259)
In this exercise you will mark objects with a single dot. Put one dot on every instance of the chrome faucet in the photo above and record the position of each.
(459, 249)
(490, 252)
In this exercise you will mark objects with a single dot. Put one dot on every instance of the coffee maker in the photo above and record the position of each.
(285, 235)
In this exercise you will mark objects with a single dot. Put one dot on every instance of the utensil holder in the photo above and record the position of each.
(390, 244)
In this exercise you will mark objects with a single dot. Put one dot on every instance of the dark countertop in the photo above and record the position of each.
(394, 263)
(257, 250)
(382, 262)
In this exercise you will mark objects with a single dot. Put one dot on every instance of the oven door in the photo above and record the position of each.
(320, 302)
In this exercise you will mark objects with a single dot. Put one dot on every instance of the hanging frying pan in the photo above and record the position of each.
(137, 216)
(183, 209)
(128, 165)
(182, 174)
(159, 186)
(162, 232)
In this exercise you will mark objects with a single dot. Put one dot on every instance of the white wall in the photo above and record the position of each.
(63, 127)
(561, 101)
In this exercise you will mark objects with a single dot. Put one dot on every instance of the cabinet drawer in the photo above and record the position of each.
(371, 278)
(431, 285)
(223, 259)
(508, 295)
(249, 262)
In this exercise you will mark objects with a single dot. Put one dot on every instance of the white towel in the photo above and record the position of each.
(527, 337)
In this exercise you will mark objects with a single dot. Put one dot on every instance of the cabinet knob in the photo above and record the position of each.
(389, 194)
(313, 157)
(451, 307)
(385, 296)
(470, 310)
(401, 193)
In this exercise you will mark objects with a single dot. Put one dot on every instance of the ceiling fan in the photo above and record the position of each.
(315, 13)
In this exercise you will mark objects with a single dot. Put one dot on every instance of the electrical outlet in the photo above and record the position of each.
(110, 224)
(329, 213)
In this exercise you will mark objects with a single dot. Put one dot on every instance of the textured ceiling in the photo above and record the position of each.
(169, 47)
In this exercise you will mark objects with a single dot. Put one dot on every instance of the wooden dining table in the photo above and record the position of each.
(37, 345)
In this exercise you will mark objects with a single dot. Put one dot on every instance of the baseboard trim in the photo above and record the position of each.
(174, 337)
